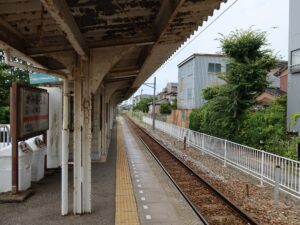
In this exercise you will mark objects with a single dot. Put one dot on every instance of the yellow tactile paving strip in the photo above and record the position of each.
(126, 209)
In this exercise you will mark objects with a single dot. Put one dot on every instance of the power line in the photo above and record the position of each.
(191, 40)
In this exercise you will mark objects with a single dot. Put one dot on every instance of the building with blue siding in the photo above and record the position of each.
(196, 73)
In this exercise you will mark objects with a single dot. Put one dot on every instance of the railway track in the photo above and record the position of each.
(208, 203)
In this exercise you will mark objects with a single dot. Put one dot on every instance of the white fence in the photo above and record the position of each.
(4, 135)
(257, 163)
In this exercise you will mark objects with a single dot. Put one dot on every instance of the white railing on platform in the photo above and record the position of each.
(257, 163)
(4, 135)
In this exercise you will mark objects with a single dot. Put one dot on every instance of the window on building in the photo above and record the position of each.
(189, 93)
(218, 68)
(214, 67)
(211, 67)
(295, 62)
(227, 66)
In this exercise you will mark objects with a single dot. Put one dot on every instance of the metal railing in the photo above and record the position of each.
(5, 138)
(257, 163)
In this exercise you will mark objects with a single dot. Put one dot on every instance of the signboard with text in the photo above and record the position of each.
(34, 111)
(29, 117)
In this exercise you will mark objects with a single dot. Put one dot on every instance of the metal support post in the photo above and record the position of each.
(262, 169)
(299, 180)
(225, 153)
(184, 142)
(187, 139)
(14, 120)
(153, 105)
(298, 151)
(45, 158)
(277, 185)
(65, 151)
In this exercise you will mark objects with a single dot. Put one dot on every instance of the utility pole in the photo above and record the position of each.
(153, 105)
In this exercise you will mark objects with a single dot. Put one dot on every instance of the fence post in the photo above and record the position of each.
(188, 138)
(262, 169)
(225, 153)
(276, 188)
(299, 179)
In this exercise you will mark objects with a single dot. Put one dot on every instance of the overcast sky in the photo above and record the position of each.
(266, 15)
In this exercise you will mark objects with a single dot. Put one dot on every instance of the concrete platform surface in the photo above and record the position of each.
(158, 200)
(43, 208)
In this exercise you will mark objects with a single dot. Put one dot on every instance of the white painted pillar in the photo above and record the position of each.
(86, 147)
(65, 151)
(77, 194)
(103, 129)
(82, 142)
(100, 123)
(101, 110)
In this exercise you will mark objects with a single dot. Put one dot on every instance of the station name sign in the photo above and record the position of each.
(32, 105)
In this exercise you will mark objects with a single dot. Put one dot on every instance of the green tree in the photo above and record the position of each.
(4, 115)
(142, 105)
(8, 75)
(165, 108)
(264, 127)
(249, 64)
(196, 119)
(174, 105)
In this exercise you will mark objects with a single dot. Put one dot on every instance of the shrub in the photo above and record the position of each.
(4, 115)
(165, 108)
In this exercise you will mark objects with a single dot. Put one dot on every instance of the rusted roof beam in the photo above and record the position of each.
(10, 36)
(60, 12)
(138, 41)
(166, 14)
(117, 79)
(132, 70)
(19, 7)
(12, 41)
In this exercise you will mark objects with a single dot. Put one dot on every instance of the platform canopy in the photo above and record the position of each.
(122, 40)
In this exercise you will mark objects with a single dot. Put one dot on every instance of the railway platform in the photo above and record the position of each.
(158, 201)
(129, 189)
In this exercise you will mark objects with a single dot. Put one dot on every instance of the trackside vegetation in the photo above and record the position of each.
(230, 110)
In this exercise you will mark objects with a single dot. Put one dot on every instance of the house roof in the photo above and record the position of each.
(279, 68)
(200, 55)
(275, 91)
(159, 102)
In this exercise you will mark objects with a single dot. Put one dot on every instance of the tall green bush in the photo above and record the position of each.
(142, 105)
(4, 115)
(195, 120)
(265, 127)
(165, 108)
(249, 64)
